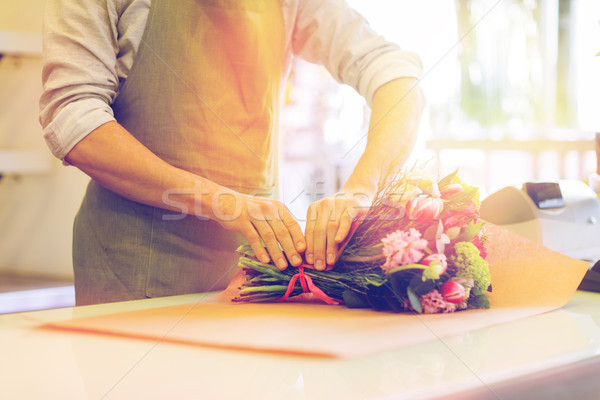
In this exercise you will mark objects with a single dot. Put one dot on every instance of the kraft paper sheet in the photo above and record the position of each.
(527, 279)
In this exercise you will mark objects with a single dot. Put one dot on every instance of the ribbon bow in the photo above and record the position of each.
(307, 286)
(305, 280)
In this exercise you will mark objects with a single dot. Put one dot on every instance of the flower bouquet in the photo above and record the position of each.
(419, 248)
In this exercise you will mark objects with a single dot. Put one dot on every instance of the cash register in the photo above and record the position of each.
(563, 216)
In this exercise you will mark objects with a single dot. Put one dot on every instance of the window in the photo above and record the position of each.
(512, 89)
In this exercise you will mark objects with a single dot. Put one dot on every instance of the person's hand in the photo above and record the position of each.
(328, 222)
(260, 218)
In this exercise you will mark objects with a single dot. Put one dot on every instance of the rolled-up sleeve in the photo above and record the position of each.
(79, 74)
(335, 35)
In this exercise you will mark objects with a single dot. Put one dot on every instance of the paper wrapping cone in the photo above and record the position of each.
(527, 274)
(527, 279)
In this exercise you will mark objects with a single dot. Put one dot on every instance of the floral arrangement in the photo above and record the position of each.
(419, 248)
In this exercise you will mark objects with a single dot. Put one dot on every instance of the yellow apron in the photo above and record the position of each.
(203, 94)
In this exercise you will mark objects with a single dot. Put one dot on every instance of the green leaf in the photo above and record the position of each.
(469, 232)
(406, 267)
(457, 200)
(399, 282)
(414, 300)
(478, 299)
(401, 279)
(421, 287)
(354, 300)
(374, 282)
(447, 179)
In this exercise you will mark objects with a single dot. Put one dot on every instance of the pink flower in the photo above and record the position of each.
(409, 192)
(480, 245)
(425, 181)
(450, 189)
(438, 258)
(433, 303)
(471, 211)
(402, 248)
(424, 209)
(462, 217)
(453, 292)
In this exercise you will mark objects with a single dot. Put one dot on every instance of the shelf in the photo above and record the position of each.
(535, 146)
(20, 43)
(24, 162)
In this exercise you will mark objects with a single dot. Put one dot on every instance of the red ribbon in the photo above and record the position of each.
(307, 287)
(305, 280)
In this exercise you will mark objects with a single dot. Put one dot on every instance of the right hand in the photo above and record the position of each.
(261, 218)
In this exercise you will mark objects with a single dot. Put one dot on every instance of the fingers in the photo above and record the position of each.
(344, 228)
(275, 235)
(359, 208)
(328, 222)
(294, 229)
(279, 231)
(270, 240)
(267, 224)
(320, 236)
(255, 242)
(333, 224)
(321, 228)
(311, 218)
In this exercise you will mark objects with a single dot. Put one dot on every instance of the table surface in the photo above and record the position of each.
(549, 356)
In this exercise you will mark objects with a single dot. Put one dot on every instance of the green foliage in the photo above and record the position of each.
(468, 264)
(354, 300)
(431, 272)
(414, 300)
(422, 286)
(478, 299)
(448, 179)
(468, 232)
(460, 200)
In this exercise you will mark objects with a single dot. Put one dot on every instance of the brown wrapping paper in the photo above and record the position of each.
(527, 279)
(525, 273)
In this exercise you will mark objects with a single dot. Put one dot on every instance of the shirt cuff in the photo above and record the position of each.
(74, 122)
(389, 66)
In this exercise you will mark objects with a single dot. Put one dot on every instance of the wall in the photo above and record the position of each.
(22, 15)
(36, 209)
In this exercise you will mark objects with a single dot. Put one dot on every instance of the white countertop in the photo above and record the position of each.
(549, 356)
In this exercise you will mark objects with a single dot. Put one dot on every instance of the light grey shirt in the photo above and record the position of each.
(90, 46)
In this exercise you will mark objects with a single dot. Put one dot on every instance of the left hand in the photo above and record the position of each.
(328, 223)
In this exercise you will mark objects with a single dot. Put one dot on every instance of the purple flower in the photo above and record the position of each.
(402, 248)
(434, 303)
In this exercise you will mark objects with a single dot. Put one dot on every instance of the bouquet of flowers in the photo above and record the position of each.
(419, 248)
